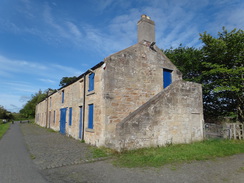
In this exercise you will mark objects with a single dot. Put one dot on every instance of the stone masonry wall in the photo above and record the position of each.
(175, 115)
(74, 98)
(132, 77)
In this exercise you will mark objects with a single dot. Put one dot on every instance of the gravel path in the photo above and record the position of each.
(64, 160)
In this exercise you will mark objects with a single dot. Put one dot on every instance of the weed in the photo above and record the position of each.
(33, 156)
(100, 152)
(173, 168)
(242, 169)
(51, 130)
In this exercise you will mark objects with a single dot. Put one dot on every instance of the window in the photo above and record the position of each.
(50, 101)
(54, 117)
(70, 116)
(91, 82)
(167, 77)
(63, 96)
(90, 116)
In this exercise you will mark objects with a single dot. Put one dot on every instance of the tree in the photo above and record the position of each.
(188, 61)
(5, 114)
(67, 80)
(218, 66)
(223, 73)
(28, 111)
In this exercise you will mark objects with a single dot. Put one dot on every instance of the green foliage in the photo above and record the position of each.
(223, 74)
(156, 157)
(3, 128)
(188, 61)
(4, 114)
(28, 111)
(67, 80)
(218, 66)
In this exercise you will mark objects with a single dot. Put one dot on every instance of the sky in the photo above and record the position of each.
(42, 41)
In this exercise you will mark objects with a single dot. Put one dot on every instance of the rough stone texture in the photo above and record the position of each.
(74, 97)
(132, 77)
(175, 115)
(146, 29)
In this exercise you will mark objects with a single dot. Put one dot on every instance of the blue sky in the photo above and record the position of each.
(42, 41)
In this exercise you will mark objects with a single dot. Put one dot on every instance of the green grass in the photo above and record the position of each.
(156, 157)
(32, 156)
(101, 152)
(51, 130)
(3, 128)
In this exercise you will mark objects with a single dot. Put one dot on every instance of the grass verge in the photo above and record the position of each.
(156, 157)
(3, 128)
(101, 152)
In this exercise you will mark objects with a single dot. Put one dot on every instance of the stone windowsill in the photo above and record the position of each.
(90, 93)
(89, 130)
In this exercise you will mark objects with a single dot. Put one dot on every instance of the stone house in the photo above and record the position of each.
(134, 98)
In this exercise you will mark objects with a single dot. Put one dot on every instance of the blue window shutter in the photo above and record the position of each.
(167, 77)
(70, 116)
(91, 82)
(90, 116)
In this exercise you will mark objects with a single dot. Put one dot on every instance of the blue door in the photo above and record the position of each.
(81, 123)
(167, 77)
(62, 120)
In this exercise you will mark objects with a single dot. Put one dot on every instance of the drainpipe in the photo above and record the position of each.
(47, 116)
(47, 112)
(84, 103)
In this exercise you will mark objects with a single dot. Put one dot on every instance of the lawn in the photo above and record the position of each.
(156, 157)
(3, 128)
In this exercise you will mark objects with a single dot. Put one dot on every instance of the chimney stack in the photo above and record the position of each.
(146, 29)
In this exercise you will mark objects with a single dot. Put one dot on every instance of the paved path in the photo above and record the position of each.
(61, 159)
(16, 165)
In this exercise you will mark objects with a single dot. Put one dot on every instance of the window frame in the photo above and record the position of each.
(91, 82)
(90, 124)
(169, 80)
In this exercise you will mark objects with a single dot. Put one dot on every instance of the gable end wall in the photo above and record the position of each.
(175, 115)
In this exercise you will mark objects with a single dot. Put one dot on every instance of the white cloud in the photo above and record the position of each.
(47, 80)
(10, 67)
(11, 102)
(74, 30)
(17, 87)
(67, 70)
